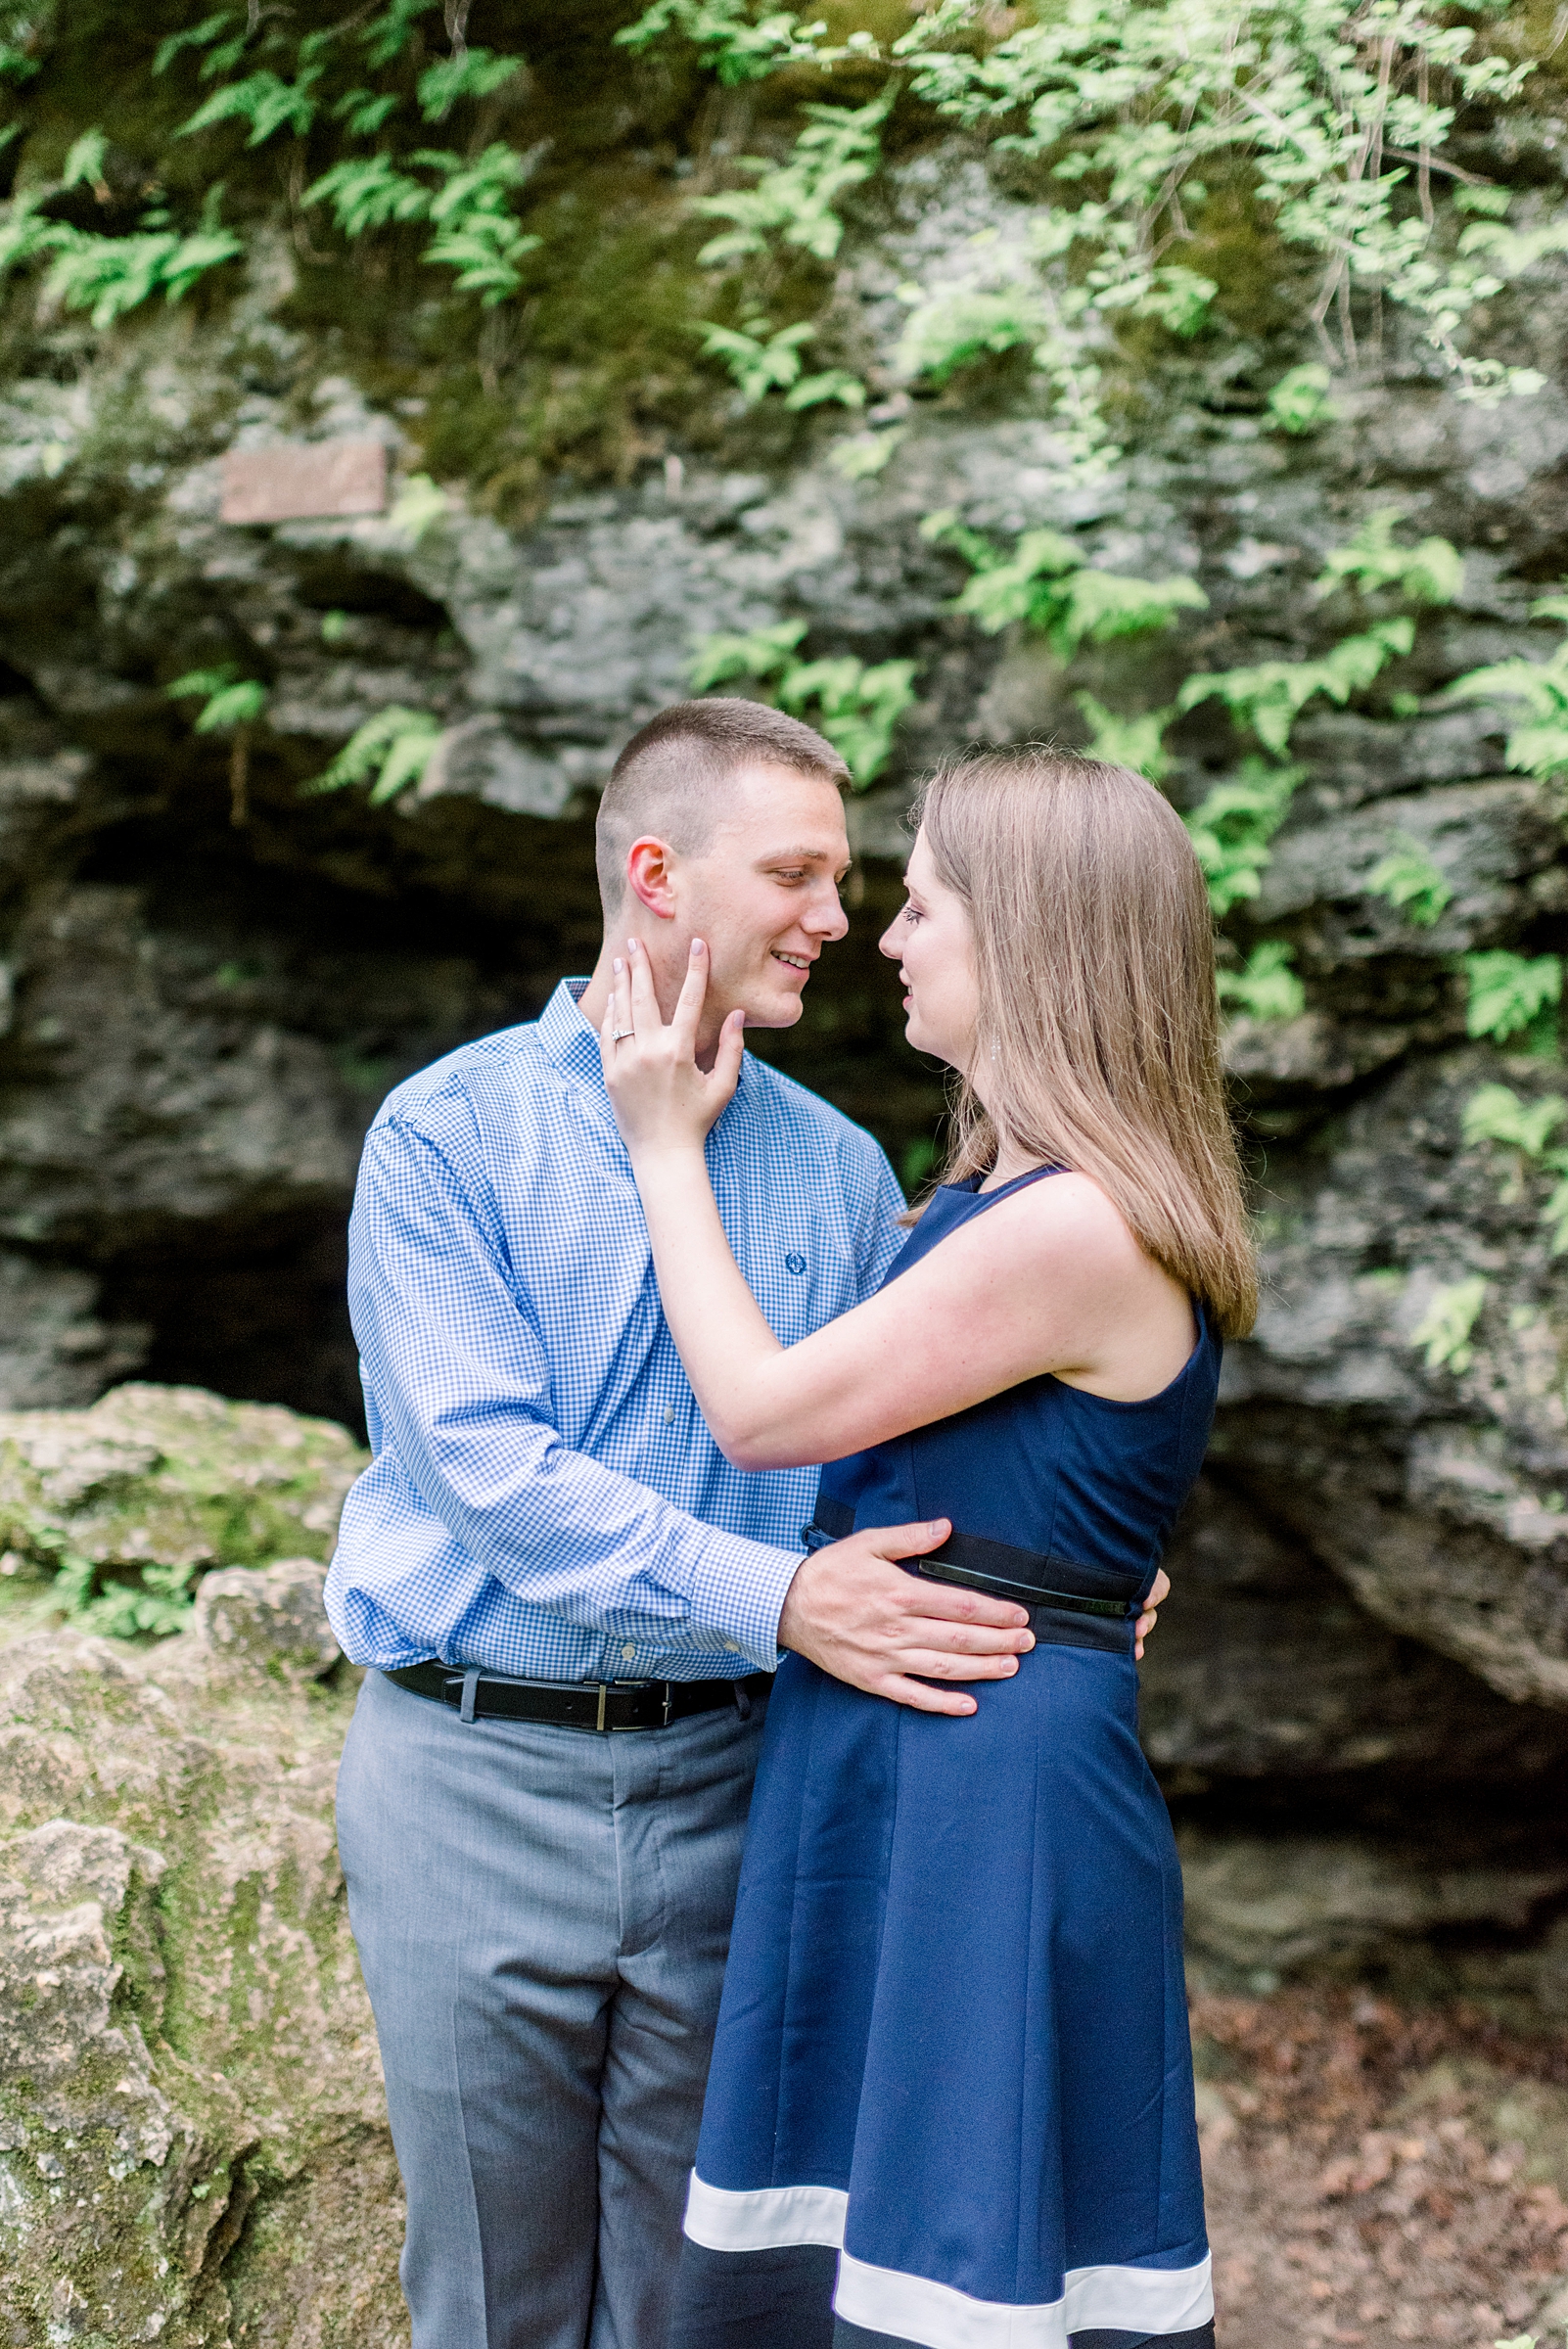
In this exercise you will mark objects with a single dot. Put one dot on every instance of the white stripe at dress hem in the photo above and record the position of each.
(767, 2218)
(912, 2308)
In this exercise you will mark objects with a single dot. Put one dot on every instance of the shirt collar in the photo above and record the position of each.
(566, 1037)
(567, 1040)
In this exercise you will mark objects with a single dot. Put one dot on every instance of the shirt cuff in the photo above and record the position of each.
(738, 1590)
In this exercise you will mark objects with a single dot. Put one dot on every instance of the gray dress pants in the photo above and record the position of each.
(542, 1915)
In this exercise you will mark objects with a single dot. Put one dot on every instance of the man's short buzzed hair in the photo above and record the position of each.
(670, 779)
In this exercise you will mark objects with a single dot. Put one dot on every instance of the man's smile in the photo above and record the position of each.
(795, 962)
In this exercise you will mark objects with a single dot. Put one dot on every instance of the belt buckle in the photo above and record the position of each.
(604, 1693)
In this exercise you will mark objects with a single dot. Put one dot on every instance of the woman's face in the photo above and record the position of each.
(933, 944)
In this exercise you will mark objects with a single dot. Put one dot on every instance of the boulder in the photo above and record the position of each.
(193, 2140)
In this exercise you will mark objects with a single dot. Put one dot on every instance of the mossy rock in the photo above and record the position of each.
(126, 1504)
(193, 2137)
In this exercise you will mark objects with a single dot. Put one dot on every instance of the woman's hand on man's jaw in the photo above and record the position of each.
(662, 1100)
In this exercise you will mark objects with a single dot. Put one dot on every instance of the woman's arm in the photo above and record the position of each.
(1049, 1279)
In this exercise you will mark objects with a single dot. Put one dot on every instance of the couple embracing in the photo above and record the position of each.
(620, 1290)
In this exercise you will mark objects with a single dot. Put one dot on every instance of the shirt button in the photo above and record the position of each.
(628, 1651)
(670, 1414)
(730, 1648)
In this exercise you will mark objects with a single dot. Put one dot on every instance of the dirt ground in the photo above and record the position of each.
(1378, 2175)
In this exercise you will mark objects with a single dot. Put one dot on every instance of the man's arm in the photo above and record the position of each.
(463, 1387)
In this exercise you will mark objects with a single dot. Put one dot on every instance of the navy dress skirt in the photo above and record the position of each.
(951, 2091)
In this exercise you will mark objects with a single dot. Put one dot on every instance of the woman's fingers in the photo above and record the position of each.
(646, 1020)
(689, 1003)
(731, 1052)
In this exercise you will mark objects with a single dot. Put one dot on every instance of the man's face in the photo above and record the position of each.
(764, 892)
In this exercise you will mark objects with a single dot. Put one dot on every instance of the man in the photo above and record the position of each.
(569, 1599)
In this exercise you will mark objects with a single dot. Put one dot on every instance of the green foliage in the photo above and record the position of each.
(1136, 742)
(84, 161)
(264, 99)
(1270, 696)
(1495, 1113)
(859, 455)
(110, 275)
(1045, 583)
(1141, 109)
(393, 747)
(956, 325)
(1540, 746)
(228, 700)
(1509, 993)
(1408, 879)
(418, 506)
(1432, 573)
(856, 707)
(1445, 1329)
(1233, 825)
(762, 654)
(468, 206)
(734, 47)
(794, 201)
(762, 358)
(475, 73)
(914, 1166)
(1300, 402)
(1265, 987)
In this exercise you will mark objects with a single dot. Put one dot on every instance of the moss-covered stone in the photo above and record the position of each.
(128, 1503)
(193, 2143)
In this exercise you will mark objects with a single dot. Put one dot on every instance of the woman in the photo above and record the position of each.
(952, 2093)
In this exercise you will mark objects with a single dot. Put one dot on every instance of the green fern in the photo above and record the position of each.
(1408, 879)
(1270, 696)
(1540, 747)
(1137, 741)
(1495, 1113)
(387, 36)
(228, 700)
(954, 326)
(110, 275)
(1299, 402)
(734, 47)
(761, 358)
(1232, 826)
(761, 655)
(395, 748)
(1045, 583)
(195, 36)
(264, 99)
(794, 201)
(1509, 993)
(231, 705)
(1432, 573)
(856, 707)
(476, 74)
(1445, 1329)
(1265, 987)
(367, 193)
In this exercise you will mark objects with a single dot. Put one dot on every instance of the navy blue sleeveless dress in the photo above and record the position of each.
(951, 2091)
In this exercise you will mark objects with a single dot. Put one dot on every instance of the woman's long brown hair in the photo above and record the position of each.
(1098, 1028)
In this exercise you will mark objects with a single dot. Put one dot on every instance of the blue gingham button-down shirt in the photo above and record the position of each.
(545, 1499)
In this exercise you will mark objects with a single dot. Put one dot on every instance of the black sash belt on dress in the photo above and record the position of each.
(1032, 1579)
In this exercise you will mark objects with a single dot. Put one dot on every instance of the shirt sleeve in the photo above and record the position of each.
(462, 1384)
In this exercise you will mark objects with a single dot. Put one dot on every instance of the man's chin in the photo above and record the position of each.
(775, 1009)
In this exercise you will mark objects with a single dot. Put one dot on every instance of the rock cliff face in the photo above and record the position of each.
(200, 1018)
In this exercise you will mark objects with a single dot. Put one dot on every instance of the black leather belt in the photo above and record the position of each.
(1030, 1577)
(577, 1704)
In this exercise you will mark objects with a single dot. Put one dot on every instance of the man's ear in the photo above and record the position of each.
(649, 876)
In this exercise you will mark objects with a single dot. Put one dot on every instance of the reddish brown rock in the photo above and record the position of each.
(295, 481)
